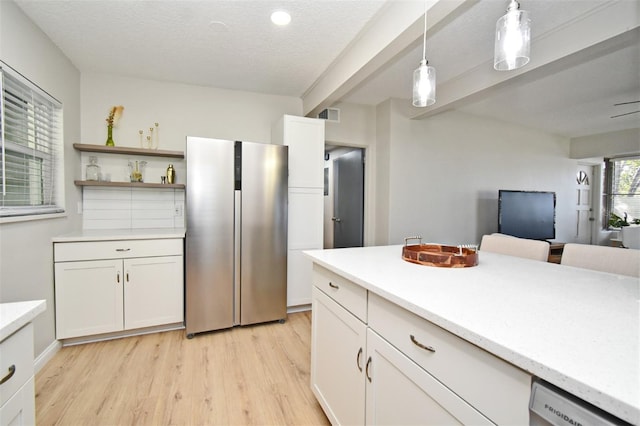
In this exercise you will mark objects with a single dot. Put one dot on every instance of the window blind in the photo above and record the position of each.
(32, 147)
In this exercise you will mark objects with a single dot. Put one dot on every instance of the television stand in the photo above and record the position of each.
(555, 252)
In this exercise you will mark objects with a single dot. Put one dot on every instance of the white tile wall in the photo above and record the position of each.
(132, 208)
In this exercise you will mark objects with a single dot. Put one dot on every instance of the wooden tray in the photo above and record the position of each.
(440, 255)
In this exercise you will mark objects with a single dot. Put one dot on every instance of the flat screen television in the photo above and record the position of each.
(527, 214)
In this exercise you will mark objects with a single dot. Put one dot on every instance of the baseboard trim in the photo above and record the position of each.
(46, 355)
(298, 308)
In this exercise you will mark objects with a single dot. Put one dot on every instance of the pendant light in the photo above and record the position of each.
(424, 77)
(513, 39)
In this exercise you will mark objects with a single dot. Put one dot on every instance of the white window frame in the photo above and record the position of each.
(32, 133)
(611, 191)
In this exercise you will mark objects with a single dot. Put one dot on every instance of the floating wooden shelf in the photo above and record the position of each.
(128, 151)
(128, 184)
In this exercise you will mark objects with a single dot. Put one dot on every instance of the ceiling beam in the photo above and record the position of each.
(610, 26)
(397, 27)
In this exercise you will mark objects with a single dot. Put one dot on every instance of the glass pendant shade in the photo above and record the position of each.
(424, 85)
(513, 39)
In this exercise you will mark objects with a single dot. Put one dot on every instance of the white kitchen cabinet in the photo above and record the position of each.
(338, 348)
(415, 372)
(305, 139)
(17, 402)
(134, 284)
(400, 392)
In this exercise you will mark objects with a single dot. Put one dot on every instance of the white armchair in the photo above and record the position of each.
(513, 246)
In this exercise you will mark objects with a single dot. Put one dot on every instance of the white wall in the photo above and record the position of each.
(26, 261)
(445, 173)
(180, 110)
(606, 144)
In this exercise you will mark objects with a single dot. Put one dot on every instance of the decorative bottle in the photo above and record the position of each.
(93, 170)
(171, 174)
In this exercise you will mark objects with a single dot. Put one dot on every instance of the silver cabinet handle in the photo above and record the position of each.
(332, 285)
(123, 249)
(12, 371)
(336, 219)
(420, 345)
(358, 359)
(367, 369)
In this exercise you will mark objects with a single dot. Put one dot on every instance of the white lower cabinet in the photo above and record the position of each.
(140, 286)
(373, 362)
(400, 392)
(338, 346)
(17, 402)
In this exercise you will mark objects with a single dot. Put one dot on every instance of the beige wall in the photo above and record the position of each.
(26, 261)
(445, 173)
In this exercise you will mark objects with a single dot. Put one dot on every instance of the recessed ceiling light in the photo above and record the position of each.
(281, 17)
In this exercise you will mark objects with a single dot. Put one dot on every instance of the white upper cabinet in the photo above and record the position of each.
(305, 139)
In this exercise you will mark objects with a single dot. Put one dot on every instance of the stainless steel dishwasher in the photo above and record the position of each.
(550, 405)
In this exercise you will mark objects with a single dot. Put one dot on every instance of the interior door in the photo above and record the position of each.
(584, 204)
(348, 207)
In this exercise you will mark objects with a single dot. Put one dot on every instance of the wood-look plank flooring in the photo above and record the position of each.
(256, 375)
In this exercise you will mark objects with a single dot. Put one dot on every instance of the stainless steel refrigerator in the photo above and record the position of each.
(236, 241)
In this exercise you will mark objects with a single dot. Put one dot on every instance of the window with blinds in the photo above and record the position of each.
(622, 191)
(31, 134)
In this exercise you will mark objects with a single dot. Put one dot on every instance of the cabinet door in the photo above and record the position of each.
(400, 392)
(153, 291)
(20, 409)
(88, 297)
(305, 138)
(338, 354)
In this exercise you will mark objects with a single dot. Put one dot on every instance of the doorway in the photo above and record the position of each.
(584, 204)
(344, 197)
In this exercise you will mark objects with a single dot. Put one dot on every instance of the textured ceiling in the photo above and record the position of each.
(220, 43)
(232, 44)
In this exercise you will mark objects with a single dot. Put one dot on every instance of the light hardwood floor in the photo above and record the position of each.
(257, 375)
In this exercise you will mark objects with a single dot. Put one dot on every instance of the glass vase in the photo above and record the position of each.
(110, 136)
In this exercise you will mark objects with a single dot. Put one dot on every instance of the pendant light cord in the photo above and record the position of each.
(424, 39)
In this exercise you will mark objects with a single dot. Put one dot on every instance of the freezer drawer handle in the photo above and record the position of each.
(358, 359)
(367, 369)
(420, 345)
(332, 285)
(123, 249)
(12, 371)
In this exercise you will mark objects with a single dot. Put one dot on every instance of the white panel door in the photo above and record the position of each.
(399, 392)
(153, 291)
(584, 204)
(306, 209)
(338, 354)
(88, 297)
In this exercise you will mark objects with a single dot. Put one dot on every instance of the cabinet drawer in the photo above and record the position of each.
(494, 387)
(350, 295)
(17, 351)
(90, 250)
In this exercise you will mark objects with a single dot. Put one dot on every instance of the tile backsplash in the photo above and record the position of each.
(132, 208)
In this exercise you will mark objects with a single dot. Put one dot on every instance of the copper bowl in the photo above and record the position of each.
(440, 255)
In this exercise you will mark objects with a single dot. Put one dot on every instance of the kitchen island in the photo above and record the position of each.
(574, 328)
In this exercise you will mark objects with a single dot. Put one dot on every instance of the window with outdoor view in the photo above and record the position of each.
(31, 151)
(622, 191)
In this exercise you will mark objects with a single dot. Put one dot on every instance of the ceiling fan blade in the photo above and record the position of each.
(626, 103)
(626, 113)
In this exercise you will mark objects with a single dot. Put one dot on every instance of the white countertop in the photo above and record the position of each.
(575, 328)
(120, 234)
(13, 316)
